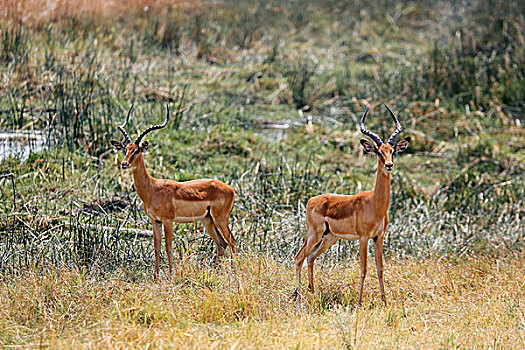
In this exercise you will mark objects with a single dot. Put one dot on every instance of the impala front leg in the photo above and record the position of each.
(168, 236)
(363, 251)
(157, 240)
(378, 255)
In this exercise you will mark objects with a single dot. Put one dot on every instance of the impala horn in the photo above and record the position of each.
(399, 128)
(121, 127)
(154, 127)
(373, 136)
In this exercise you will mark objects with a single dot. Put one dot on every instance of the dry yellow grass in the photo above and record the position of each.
(473, 303)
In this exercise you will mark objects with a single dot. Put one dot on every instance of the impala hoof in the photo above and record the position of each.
(296, 295)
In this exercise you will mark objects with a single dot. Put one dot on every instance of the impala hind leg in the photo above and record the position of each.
(221, 220)
(168, 236)
(224, 230)
(157, 240)
(327, 241)
(378, 256)
(363, 251)
(219, 241)
(313, 237)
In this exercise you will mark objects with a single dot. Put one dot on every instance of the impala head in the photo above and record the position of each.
(385, 151)
(133, 150)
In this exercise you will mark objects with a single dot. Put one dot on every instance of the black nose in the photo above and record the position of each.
(389, 167)
(124, 165)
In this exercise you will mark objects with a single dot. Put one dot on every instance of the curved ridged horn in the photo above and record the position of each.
(121, 127)
(398, 130)
(373, 136)
(154, 127)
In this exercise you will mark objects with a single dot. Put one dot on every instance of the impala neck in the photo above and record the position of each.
(143, 181)
(381, 193)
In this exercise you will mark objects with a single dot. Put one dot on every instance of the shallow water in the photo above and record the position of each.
(20, 144)
(274, 133)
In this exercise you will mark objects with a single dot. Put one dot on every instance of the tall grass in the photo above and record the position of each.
(13, 45)
(470, 214)
(469, 69)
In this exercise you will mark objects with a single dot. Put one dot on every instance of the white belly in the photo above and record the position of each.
(347, 236)
(183, 219)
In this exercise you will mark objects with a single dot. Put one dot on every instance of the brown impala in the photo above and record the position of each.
(362, 216)
(167, 201)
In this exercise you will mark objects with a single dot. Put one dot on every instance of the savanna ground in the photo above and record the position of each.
(266, 97)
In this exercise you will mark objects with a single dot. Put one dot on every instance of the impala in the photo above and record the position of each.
(167, 201)
(362, 216)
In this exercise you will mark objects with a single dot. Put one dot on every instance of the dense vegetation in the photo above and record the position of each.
(267, 96)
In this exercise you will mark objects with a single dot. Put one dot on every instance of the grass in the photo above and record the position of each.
(75, 253)
(247, 303)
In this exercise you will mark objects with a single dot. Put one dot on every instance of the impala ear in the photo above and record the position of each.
(369, 147)
(144, 146)
(119, 145)
(402, 145)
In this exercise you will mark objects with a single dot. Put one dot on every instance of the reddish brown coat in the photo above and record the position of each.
(362, 216)
(166, 201)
